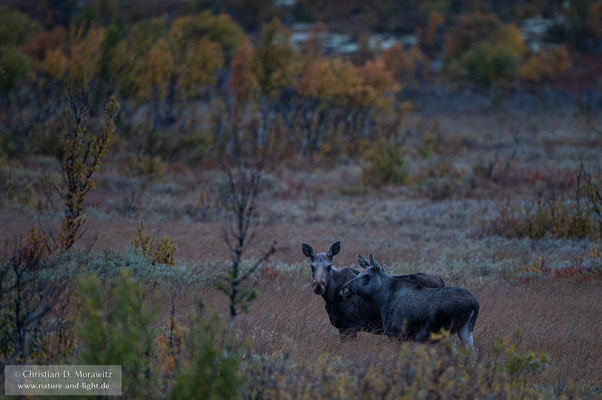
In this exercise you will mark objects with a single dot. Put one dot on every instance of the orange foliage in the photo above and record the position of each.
(54, 63)
(243, 80)
(334, 79)
(433, 23)
(324, 78)
(46, 41)
(34, 252)
(547, 65)
(402, 63)
(377, 83)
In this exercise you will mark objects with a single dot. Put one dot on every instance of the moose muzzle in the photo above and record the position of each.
(319, 288)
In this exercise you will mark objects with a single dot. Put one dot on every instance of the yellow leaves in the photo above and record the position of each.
(143, 242)
(547, 65)
(336, 80)
(510, 35)
(203, 59)
(170, 346)
(181, 28)
(84, 55)
(55, 63)
(164, 252)
(160, 66)
(325, 78)
(378, 82)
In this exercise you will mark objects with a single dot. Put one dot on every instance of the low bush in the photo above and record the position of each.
(414, 371)
(385, 165)
(549, 65)
(145, 167)
(209, 370)
(489, 63)
(557, 216)
(115, 327)
(162, 252)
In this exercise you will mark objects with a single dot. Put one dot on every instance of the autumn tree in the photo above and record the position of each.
(470, 28)
(85, 52)
(14, 66)
(403, 64)
(243, 77)
(129, 58)
(548, 65)
(82, 155)
(275, 57)
(218, 28)
(483, 49)
(201, 62)
(47, 51)
(16, 28)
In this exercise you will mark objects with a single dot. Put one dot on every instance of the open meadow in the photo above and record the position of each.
(536, 295)
(162, 163)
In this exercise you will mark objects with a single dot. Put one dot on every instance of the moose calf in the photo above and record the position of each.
(411, 311)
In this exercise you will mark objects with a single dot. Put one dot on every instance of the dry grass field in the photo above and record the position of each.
(540, 295)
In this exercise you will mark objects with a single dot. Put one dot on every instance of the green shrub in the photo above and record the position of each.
(517, 364)
(14, 65)
(115, 328)
(488, 63)
(559, 217)
(211, 372)
(416, 371)
(145, 166)
(556, 217)
(385, 165)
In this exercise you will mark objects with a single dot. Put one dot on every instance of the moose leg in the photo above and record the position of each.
(422, 336)
(465, 334)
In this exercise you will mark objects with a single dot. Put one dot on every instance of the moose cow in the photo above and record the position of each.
(348, 315)
(411, 311)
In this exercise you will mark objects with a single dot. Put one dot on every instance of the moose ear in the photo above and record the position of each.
(308, 251)
(375, 264)
(334, 249)
(362, 261)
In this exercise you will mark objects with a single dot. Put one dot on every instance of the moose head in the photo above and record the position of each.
(321, 265)
(367, 282)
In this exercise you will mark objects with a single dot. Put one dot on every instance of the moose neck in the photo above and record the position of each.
(381, 297)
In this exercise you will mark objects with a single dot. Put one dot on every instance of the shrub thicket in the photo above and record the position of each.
(556, 216)
(385, 164)
(115, 327)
